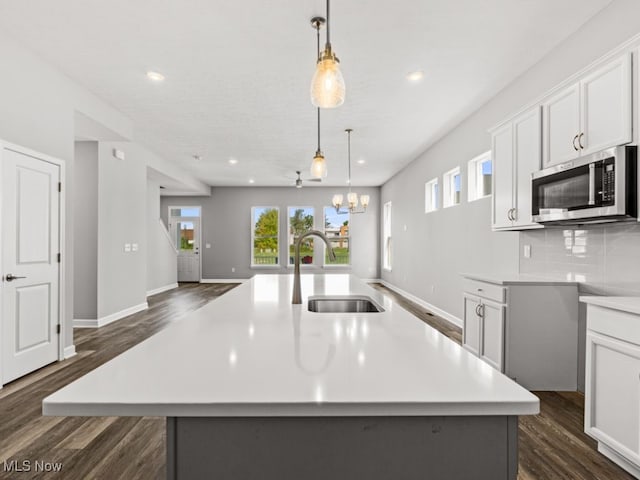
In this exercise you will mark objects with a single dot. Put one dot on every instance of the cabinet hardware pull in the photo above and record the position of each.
(574, 143)
(580, 140)
(480, 290)
(514, 214)
(481, 313)
(478, 310)
(509, 214)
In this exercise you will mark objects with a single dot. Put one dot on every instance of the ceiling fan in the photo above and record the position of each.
(299, 180)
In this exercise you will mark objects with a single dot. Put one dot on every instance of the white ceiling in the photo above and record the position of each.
(238, 73)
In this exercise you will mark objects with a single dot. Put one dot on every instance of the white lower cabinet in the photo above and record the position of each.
(526, 330)
(612, 393)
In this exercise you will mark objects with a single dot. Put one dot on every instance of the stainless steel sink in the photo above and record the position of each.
(343, 304)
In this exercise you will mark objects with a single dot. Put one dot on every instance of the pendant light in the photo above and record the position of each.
(318, 165)
(327, 85)
(352, 197)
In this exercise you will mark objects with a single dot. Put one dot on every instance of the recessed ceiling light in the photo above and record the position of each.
(362, 161)
(415, 77)
(233, 161)
(251, 180)
(155, 76)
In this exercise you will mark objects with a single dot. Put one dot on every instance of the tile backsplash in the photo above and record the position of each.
(604, 259)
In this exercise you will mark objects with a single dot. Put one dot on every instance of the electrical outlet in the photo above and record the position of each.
(134, 247)
(207, 245)
(527, 251)
(127, 247)
(233, 269)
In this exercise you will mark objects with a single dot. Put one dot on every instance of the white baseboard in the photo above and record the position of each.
(156, 291)
(223, 280)
(69, 351)
(101, 322)
(371, 280)
(432, 308)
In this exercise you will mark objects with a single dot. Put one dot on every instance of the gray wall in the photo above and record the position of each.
(162, 258)
(226, 225)
(438, 246)
(85, 231)
(37, 111)
(122, 218)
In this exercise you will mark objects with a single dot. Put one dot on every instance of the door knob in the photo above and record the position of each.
(9, 277)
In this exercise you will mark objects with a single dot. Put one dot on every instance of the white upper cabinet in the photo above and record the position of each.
(590, 115)
(516, 155)
(606, 107)
(561, 114)
(502, 157)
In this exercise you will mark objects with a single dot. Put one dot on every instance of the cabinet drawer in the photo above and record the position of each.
(615, 323)
(485, 290)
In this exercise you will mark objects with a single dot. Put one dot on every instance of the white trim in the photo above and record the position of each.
(224, 280)
(70, 351)
(158, 290)
(432, 308)
(101, 322)
(371, 280)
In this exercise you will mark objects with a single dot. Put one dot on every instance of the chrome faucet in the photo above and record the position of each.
(297, 296)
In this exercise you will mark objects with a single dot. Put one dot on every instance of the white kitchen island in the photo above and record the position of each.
(255, 387)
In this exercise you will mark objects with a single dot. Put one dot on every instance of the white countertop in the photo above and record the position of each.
(521, 279)
(251, 353)
(625, 304)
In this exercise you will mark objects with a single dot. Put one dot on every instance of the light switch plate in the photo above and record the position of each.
(127, 247)
(134, 247)
(207, 245)
(527, 251)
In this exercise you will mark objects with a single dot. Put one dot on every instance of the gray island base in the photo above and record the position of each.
(337, 448)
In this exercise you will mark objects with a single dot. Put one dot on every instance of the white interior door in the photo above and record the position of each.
(30, 263)
(187, 231)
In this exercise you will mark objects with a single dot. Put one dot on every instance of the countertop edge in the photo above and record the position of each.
(508, 408)
(623, 304)
(496, 280)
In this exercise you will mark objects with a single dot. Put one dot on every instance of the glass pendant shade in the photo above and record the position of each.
(337, 201)
(352, 198)
(327, 85)
(364, 200)
(319, 166)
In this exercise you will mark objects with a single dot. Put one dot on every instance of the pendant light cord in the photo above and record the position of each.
(318, 50)
(318, 129)
(328, 36)
(349, 155)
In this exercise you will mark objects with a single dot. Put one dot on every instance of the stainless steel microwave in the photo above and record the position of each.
(601, 187)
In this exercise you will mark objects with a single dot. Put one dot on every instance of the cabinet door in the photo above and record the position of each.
(606, 106)
(471, 327)
(527, 141)
(561, 126)
(502, 158)
(612, 394)
(492, 339)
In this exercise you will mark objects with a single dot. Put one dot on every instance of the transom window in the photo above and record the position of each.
(480, 176)
(451, 183)
(431, 196)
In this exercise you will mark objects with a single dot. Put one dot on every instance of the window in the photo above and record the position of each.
(336, 228)
(265, 222)
(386, 236)
(300, 221)
(451, 185)
(431, 196)
(480, 177)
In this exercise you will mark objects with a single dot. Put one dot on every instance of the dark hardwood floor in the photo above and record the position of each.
(552, 444)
